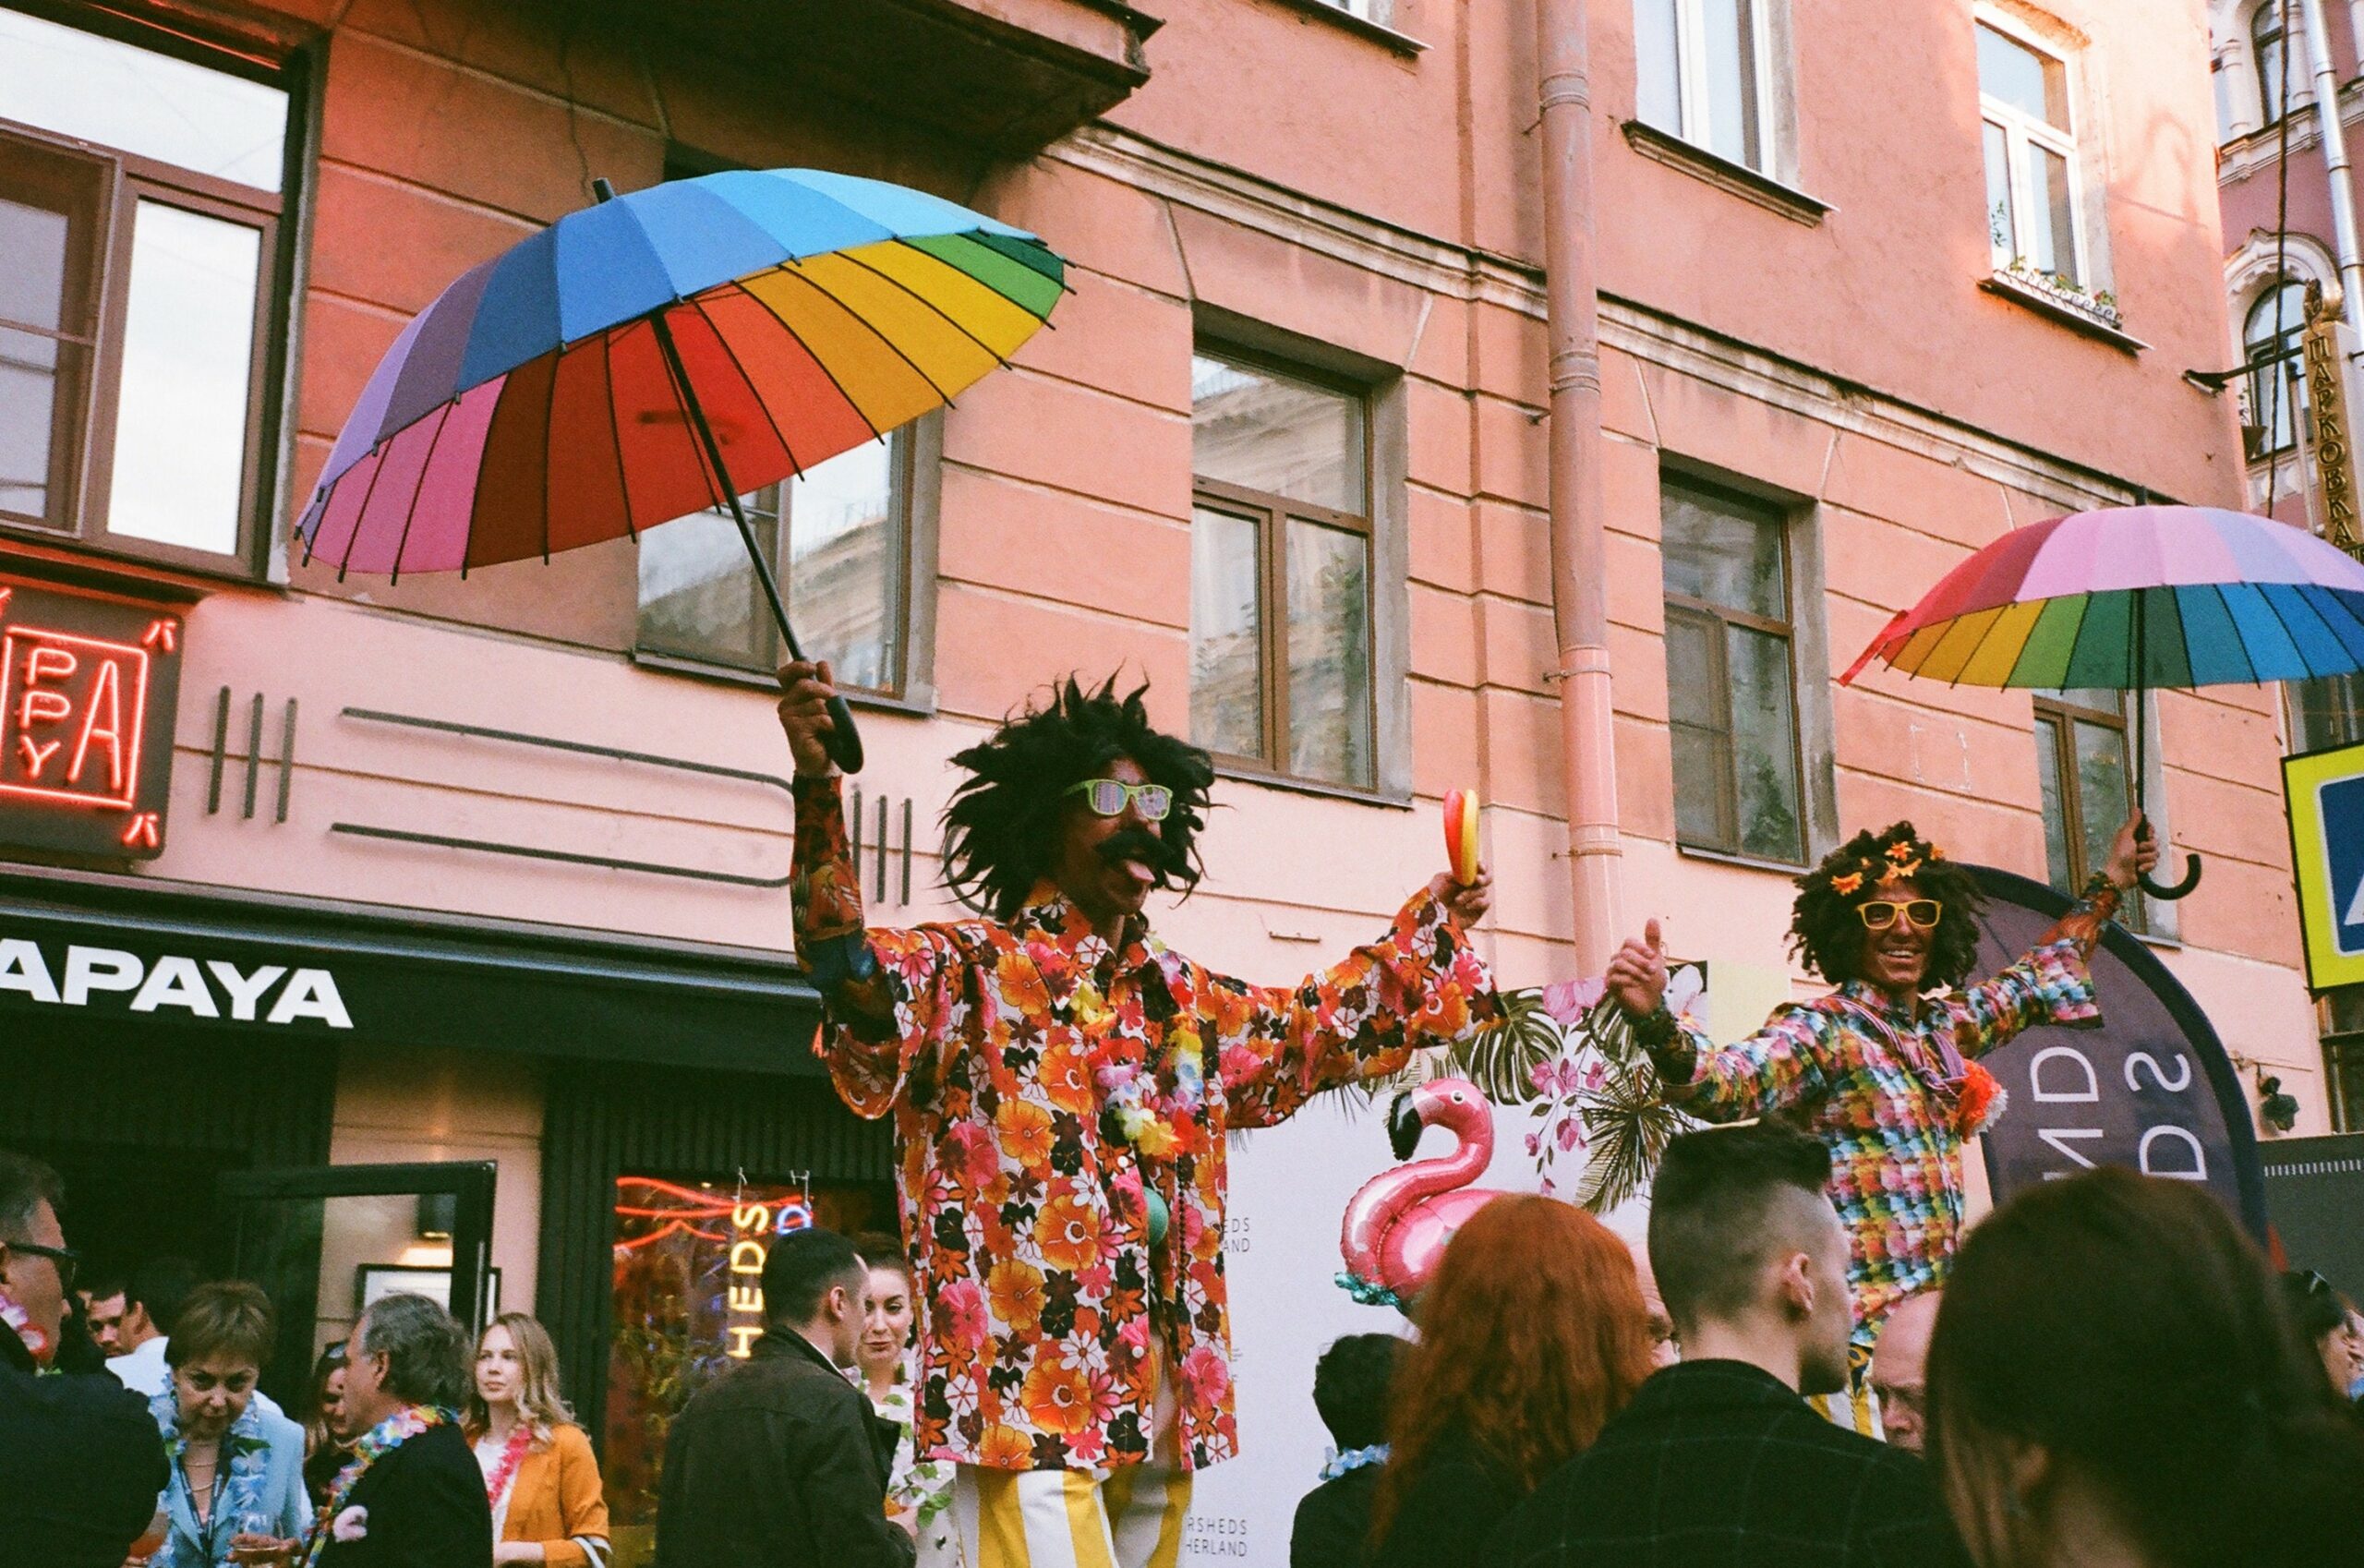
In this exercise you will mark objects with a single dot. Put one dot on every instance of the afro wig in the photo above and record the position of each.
(1827, 932)
(1001, 832)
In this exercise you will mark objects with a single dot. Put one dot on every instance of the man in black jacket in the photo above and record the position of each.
(780, 1462)
(421, 1502)
(80, 1465)
(1718, 1462)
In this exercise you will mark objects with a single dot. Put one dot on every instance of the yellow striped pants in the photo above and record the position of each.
(1129, 1517)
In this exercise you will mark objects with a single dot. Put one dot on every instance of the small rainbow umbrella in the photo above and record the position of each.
(2135, 598)
(659, 352)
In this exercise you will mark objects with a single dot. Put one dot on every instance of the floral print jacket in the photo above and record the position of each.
(1046, 1316)
(1880, 1086)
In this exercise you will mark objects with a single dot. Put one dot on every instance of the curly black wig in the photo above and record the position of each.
(1827, 932)
(1001, 832)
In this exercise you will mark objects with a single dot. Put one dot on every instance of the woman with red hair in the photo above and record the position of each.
(1532, 1335)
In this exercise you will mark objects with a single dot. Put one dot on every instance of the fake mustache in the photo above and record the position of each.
(1140, 844)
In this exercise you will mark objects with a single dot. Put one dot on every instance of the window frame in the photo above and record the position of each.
(910, 445)
(2021, 130)
(2062, 717)
(276, 215)
(1272, 513)
(1694, 108)
(1781, 520)
(2291, 358)
(2270, 110)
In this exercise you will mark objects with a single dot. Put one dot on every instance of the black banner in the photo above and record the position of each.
(2151, 1088)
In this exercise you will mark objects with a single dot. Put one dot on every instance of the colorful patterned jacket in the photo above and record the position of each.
(1881, 1085)
(1045, 1314)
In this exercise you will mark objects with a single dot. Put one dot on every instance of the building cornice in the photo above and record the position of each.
(1475, 276)
(2253, 152)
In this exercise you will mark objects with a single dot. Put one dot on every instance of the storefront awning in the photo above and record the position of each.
(79, 948)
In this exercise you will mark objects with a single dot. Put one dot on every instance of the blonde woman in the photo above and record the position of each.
(540, 1473)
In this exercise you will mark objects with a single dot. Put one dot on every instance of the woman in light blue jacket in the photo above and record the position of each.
(237, 1462)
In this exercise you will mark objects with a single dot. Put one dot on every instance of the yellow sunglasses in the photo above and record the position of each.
(1880, 913)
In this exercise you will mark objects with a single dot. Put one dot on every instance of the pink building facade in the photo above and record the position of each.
(2280, 236)
(1868, 299)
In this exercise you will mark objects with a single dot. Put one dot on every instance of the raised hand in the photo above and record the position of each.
(806, 690)
(1469, 900)
(2134, 853)
(1637, 974)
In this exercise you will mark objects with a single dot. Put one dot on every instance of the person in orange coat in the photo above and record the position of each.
(540, 1475)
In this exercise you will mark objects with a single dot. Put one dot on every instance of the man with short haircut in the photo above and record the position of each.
(779, 1463)
(1719, 1463)
(80, 1464)
(1351, 1384)
(417, 1498)
(151, 1301)
(1899, 1363)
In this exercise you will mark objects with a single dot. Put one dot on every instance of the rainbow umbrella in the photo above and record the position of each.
(658, 354)
(2135, 598)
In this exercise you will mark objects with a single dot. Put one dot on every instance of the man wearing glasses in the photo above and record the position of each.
(1062, 1084)
(1883, 1073)
(80, 1464)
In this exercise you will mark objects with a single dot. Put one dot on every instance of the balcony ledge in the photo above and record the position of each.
(1015, 74)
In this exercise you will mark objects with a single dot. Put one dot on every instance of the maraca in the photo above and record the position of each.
(1461, 834)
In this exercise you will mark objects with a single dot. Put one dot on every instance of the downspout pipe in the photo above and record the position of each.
(2343, 187)
(1578, 525)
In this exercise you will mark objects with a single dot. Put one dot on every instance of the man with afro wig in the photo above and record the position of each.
(1062, 1084)
(1885, 1075)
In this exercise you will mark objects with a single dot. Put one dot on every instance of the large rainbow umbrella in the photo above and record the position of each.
(2135, 598)
(659, 354)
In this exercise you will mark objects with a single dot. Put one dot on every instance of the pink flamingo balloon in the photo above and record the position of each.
(1396, 1228)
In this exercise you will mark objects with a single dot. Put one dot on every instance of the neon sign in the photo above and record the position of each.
(87, 690)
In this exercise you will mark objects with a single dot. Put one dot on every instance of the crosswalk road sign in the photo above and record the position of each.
(2325, 797)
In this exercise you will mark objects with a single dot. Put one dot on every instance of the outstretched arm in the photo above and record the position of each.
(1787, 1062)
(2050, 983)
(1273, 1048)
(881, 990)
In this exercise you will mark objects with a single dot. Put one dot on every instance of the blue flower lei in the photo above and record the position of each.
(1334, 1464)
(241, 1485)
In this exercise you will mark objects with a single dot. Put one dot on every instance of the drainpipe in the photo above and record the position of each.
(1579, 529)
(2343, 190)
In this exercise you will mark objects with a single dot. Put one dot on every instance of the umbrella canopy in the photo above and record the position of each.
(2134, 597)
(532, 408)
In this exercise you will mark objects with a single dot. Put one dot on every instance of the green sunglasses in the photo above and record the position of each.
(1107, 797)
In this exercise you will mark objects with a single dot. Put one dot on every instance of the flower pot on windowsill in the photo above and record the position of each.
(2101, 308)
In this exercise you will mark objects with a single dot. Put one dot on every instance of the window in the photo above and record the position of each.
(140, 199)
(2277, 371)
(1281, 571)
(1703, 72)
(2343, 1012)
(2325, 712)
(2032, 197)
(2269, 46)
(843, 531)
(2080, 758)
(1731, 673)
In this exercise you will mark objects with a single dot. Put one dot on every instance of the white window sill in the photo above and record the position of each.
(1362, 27)
(2004, 285)
(1744, 862)
(920, 702)
(1664, 147)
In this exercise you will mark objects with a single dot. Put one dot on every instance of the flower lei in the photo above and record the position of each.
(1129, 1089)
(504, 1469)
(239, 1489)
(1334, 1464)
(373, 1445)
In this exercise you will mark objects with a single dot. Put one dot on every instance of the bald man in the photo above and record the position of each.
(1897, 1363)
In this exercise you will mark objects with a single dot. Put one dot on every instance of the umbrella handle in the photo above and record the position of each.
(2180, 890)
(2170, 892)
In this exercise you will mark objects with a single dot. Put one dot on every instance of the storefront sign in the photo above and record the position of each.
(168, 985)
(2327, 414)
(2325, 795)
(2151, 1088)
(88, 685)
